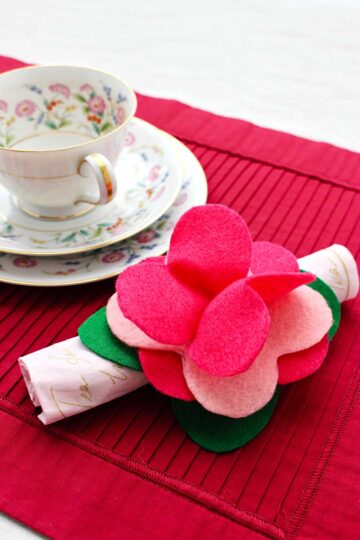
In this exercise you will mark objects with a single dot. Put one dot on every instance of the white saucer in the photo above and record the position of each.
(150, 177)
(110, 261)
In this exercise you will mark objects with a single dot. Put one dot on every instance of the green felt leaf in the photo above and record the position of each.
(320, 286)
(97, 336)
(220, 433)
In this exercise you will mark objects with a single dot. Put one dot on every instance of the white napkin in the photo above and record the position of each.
(67, 378)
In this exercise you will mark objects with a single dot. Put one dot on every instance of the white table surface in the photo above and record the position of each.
(292, 65)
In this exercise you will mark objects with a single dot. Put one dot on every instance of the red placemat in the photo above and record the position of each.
(126, 469)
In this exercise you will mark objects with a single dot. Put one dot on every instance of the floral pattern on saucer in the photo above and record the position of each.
(149, 173)
(109, 261)
(123, 253)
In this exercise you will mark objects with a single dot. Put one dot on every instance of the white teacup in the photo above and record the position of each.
(62, 129)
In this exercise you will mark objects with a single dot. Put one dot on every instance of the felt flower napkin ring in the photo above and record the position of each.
(218, 324)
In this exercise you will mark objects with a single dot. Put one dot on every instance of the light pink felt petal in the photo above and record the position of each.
(210, 248)
(127, 331)
(236, 396)
(295, 366)
(271, 287)
(165, 372)
(231, 331)
(159, 304)
(299, 320)
(267, 258)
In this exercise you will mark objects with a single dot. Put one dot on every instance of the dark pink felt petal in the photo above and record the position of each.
(231, 331)
(159, 304)
(267, 258)
(164, 371)
(295, 366)
(210, 248)
(157, 260)
(271, 287)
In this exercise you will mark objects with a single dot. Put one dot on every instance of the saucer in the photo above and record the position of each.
(150, 177)
(110, 261)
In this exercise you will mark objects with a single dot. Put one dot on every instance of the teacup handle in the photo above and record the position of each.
(105, 177)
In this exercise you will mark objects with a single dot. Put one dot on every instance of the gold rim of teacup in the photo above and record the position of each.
(102, 137)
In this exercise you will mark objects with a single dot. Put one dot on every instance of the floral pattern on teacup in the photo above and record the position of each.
(25, 108)
(84, 110)
(60, 89)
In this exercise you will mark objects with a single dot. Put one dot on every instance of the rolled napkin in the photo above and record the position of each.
(68, 378)
(337, 267)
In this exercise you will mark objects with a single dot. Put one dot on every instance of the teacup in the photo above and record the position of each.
(62, 129)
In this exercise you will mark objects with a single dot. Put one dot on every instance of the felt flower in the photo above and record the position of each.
(221, 319)
(96, 104)
(59, 88)
(25, 108)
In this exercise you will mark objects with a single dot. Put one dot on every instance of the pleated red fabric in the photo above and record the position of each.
(126, 469)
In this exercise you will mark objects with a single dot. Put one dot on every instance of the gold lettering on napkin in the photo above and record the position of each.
(337, 275)
(69, 357)
(85, 390)
(121, 375)
(59, 402)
